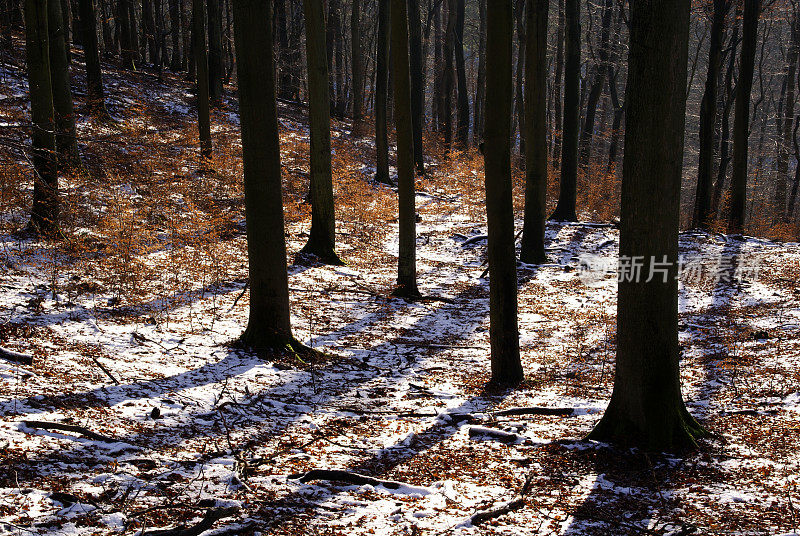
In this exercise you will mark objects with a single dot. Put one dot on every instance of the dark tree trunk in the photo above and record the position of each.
(786, 119)
(149, 32)
(796, 185)
(341, 96)
(741, 121)
(186, 34)
(201, 68)
(519, 98)
(269, 325)
(501, 254)
(558, 110)
(94, 77)
(596, 91)
(447, 51)
(480, 85)
(134, 31)
(126, 40)
(69, 20)
(44, 214)
(216, 67)
(356, 66)
(6, 25)
(708, 119)
(565, 209)
(284, 72)
(407, 256)
(321, 240)
(417, 82)
(532, 250)
(730, 93)
(176, 61)
(646, 408)
(66, 138)
(438, 76)
(381, 94)
(462, 129)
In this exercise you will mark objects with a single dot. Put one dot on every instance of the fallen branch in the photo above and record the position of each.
(211, 517)
(492, 433)
(104, 369)
(44, 425)
(536, 410)
(485, 515)
(16, 357)
(338, 475)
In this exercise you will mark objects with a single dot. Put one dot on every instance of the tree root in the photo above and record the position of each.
(212, 516)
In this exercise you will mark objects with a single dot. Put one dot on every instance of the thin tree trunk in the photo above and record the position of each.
(558, 110)
(565, 209)
(462, 128)
(600, 74)
(532, 250)
(407, 256)
(66, 137)
(741, 121)
(149, 32)
(216, 67)
(480, 86)
(45, 211)
(176, 62)
(449, 44)
(417, 82)
(646, 408)
(357, 66)
(381, 94)
(126, 40)
(708, 119)
(438, 76)
(322, 238)
(519, 98)
(786, 120)
(201, 67)
(503, 328)
(95, 99)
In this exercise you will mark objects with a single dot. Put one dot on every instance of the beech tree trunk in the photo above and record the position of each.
(532, 250)
(322, 237)
(646, 408)
(708, 119)
(565, 209)
(407, 257)
(126, 40)
(447, 52)
(417, 82)
(95, 98)
(45, 211)
(201, 70)
(503, 329)
(216, 67)
(786, 119)
(480, 85)
(559, 71)
(356, 66)
(381, 94)
(462, 128)
(66, 137)
(268, 326)
(176, 61)
(741, 121)
(596, 90)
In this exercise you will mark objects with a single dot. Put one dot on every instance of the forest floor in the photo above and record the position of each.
(131, 317)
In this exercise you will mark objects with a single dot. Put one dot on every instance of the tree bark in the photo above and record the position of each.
(407, 256)
(565, 209)
(321, 240)
(503, 329)
(462, 128)
(356, 66)
(480, 85)
(559, 71)
(786, 119)
(268, 326)
(596, 90)
(417, 82)
(126, 40)
(66, 136)
(447, 52)
(95, 99)
(201, 70)
(45, 211)
(216, 67)
(741, 121)
(176, 61)
(532, 250)
(646, 408)
(708, 119)
(381, 94)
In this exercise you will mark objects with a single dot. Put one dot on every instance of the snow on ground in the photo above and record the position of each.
(193, 426)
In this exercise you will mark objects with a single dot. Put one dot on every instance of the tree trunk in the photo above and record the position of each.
(356, 66)
(284, 72)
(133, 31)
(786, 119)
(447, 52)
(646, 408)
(438, 76)
(381, 94)
(558, 110)
(216, 67)
(741, 121)
(201, 68)
(708, 119)
(503, 329)
(269, 325)
(417, 82)
(532, 250)
(480, 86)
(341, 102)
(44, 214)
(596, 91)
(149, 32)
(519, 99)
(565, 209)
(95, 102)
(66, 137)
(462, 128)
(321, 240)
(176, 61)
(126, 40)
(407, 256)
